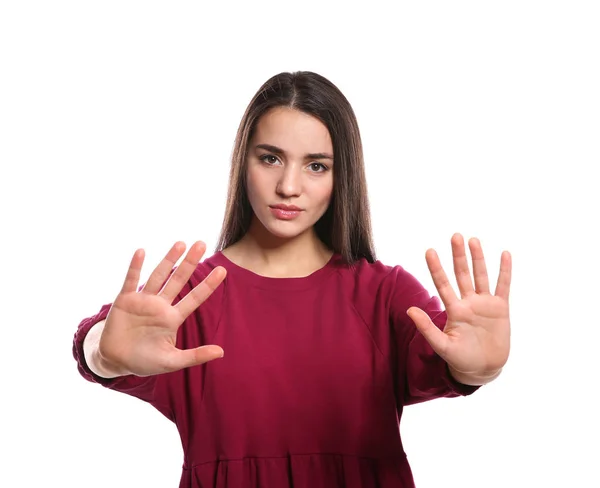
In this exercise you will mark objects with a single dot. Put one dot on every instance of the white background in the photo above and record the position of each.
(117, 122)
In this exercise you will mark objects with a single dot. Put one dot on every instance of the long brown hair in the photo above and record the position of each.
(346, 225)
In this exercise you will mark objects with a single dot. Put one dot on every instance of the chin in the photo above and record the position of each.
(286, 231)
(282, 229)
(266, 222)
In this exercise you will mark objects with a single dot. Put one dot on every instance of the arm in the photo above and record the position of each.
(97, 364)
(422, 374)
(475, 338)
(85, 346)
(129, 344)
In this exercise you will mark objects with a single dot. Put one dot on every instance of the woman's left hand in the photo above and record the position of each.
(476, 339)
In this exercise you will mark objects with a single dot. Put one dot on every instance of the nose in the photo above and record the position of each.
(289, 184)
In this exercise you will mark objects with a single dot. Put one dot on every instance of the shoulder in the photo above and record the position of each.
(374, 275)
(376, 283)
(203, 269)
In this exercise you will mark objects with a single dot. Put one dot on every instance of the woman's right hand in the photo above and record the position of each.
(140, 331)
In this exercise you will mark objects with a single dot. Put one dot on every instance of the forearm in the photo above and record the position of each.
(92, 355)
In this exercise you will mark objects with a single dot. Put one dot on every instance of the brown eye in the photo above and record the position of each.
(269, 159)
(318, 167)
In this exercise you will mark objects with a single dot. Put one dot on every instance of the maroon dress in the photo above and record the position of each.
(315, 375)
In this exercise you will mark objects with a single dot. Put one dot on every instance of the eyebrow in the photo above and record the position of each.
(278, 150)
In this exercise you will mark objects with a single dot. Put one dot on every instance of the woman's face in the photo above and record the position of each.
(290, 163)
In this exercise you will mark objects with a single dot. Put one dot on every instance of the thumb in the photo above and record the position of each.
(193, 357)
(433, 335)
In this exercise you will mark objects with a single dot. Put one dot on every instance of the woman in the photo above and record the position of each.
(324, 344)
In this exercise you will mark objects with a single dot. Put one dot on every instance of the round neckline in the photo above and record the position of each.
(249, 277)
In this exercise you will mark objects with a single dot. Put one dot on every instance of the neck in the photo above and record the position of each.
(269, 255)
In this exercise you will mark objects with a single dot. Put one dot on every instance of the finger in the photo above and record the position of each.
(161, 272)
(133, 273)
(440, 279)
(461, 266)
(505, 276)
(480, 274)
(183, 272)
(193, 357)
(436, 338)
(201, 292)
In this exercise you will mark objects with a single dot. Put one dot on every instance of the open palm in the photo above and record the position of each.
(140, 333)
(476, 339)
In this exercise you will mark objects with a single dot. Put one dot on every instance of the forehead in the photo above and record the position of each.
(292, 131)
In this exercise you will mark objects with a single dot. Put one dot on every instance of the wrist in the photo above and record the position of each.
(95, 361)
(474, 379)
(103, 367)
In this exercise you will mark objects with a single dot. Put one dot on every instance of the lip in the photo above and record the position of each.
(286, 207)
(282, 212)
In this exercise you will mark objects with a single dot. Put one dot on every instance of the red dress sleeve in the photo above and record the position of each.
(140, 387)
(158, 390)
(422, 374)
